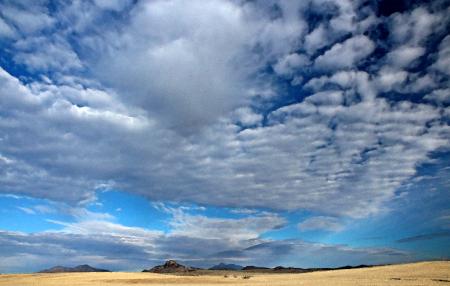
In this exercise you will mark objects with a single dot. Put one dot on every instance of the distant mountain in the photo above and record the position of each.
(171, 266)
(79, 268)
(223, 266)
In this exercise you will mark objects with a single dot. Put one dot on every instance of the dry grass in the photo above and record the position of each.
(424, 273)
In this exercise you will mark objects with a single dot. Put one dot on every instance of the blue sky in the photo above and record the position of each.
(299, 133)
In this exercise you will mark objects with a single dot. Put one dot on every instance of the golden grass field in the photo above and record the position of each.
(423, 273)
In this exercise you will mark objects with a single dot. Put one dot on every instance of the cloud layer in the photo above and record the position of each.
(195, 240)
(166, 131)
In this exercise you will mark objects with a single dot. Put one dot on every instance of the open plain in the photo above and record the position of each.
(422, 273)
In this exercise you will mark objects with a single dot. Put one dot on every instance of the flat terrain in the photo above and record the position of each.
(423, 273)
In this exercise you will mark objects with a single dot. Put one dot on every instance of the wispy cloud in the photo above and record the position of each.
(421, 237)
(27, 210)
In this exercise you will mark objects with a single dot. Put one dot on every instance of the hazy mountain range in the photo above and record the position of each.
(79, 268)
(171, 266)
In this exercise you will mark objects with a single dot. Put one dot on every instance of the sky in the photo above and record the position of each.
(268, 132)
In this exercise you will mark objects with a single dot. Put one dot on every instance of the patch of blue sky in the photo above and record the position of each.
(25, 214)
(135, 210)
(130, 210)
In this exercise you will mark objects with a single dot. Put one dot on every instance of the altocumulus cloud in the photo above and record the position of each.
(192, 102)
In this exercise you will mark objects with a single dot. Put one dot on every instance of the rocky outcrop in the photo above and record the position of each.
(171, 266)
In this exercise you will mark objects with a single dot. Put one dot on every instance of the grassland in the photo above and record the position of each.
(423, 273)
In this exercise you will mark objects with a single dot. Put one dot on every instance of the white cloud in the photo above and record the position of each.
(42, 54)
(403, 56)
(346, 54)
(326, 98)
(357, 81)
(345, 21)
(321, 223)
(288, 64)
(316, 39)
(413, 27)
(29, 19)
(443, 61)
(232, 230)
(188, 69)
(247, 117)
(100, 227)
(419, 83)
(440, 96)
(389, 78)
(6, 30)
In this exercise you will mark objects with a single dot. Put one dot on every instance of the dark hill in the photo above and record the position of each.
(223, 266)
(79, 268)
(282, 269)
(255, 268)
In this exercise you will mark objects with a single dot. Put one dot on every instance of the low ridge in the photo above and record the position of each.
(79, 268)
